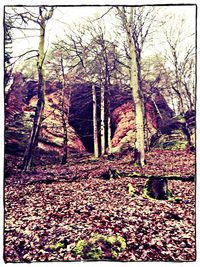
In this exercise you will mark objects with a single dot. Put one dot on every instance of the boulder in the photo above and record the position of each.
(174, 135)
(124, 136)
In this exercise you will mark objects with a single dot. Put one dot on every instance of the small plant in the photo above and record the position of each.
(95, 253)
(131, 190)
(178, 199)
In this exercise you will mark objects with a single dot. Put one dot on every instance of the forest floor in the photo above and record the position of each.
(65, 203)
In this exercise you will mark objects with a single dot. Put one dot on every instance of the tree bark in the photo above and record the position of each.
(95, 129)
(109, 123)
(138, 101)
(157, 188)
(28, 156)
(65, 116)
(33, 141)
(102, 120)
(135, 86)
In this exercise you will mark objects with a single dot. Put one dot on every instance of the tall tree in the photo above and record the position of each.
(82, 63)
(45, 14)
(102, 120)
(57, 61)
(95, 128)
(8, 23)
(127, 22)
(180, 56)
(65, 113)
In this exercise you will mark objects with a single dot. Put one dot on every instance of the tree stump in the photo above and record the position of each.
(157, 187)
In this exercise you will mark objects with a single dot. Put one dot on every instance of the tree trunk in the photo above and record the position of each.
(102, 121)
(181, 108)
(95, 129)
(189, 96)
(65, 116)
(109, 122)
(65, 126)
(28, 156)
(135, 86)
(138, 103)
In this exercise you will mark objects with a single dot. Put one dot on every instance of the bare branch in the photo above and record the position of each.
(103, 14)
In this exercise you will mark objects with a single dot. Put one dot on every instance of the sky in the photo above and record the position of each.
(64, 18)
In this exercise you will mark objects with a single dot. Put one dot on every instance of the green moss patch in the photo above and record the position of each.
(57, 246)
(172, 145)
(134, 174)
(100, 247)
(131, 190)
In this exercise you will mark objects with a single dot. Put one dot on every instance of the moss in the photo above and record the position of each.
(100, 246)
(173, 176)
(180, 119)
(58, 245)
(169, 192)
(134, 174)
(78, 250)
(111, 239)
(172, 145)
(93, 159)
(114, 253)
(27, 120)
(121, 241)
(131, 190)
(146, 191)
(95, 253)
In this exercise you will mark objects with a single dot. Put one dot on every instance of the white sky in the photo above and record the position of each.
(64, 16)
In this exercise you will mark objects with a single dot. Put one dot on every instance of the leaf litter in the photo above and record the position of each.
(63, 204)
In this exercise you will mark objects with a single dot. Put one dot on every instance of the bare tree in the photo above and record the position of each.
(127, 22)
(44, 15)
(181, 57)
(65, 113)
(95, 128)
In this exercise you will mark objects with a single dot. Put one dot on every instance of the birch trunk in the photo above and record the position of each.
(95, 129)
(109, 121)
(138, 102)
(135, 86)
(102, 121)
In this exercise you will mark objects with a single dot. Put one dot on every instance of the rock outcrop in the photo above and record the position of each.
(21, 102)
(177, 133)
(124, 135)
(162, 130)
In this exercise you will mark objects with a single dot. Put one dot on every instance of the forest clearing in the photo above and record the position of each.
(100, 134)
